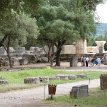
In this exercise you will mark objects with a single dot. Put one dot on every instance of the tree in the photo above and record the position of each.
(61, 21)
(17, 26)
(55, 28)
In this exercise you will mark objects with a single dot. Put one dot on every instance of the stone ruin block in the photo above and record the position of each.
(15, 61)
(37, 49)
(79, 91)
(43, 79)
(31, 80)
(53, 78)
(103, 81)
(44, 59)
(23, 61)
(72, 77)
(66, 76)
(62, 76)
(81, 76)
(2, 51)
(3, 81)
(20, 50)
(3, 62)
(32, 49)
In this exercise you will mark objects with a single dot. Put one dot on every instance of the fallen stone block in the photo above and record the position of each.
(53, 78)
(43, 79)
(79, 91)
(72, 77)
(81, 76)
(31, 80)
(62, 76)
(103, 81)
(3, 82)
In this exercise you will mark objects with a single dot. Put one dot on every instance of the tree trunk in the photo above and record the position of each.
(2, 41)
(52, 56)
(49, 53)
(58, 55)
(59, 45)
(7, 50)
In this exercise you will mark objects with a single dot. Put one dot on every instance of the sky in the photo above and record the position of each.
(101, 12)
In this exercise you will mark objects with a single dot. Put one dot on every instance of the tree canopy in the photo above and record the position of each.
(59, 21)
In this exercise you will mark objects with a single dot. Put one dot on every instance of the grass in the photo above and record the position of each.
(16, 79)
(96, 98)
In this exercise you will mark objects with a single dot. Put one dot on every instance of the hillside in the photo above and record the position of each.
(101, 28)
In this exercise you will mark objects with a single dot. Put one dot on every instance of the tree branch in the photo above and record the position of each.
(2, 41)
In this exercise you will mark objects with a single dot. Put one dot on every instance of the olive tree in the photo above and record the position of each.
(17, 26)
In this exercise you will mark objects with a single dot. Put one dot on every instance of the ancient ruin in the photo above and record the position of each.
(21, 56)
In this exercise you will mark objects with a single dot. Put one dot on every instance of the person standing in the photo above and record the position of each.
(83, 60)
(98, 61)
(87, 61)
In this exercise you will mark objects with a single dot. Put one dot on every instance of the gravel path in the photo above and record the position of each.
(33, 97)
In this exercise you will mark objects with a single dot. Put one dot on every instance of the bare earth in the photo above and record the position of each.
(34, 97)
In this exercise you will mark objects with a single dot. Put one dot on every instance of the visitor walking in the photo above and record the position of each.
(98, 61)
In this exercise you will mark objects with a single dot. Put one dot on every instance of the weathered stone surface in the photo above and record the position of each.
(105, 59)
(72, 77)
(2, 51)
(3, 62)
(53, 78)
(20, 50)
(31, 80)
(44, 59)
(79, 91)
(15, 61)
(103, 81)
(43, 79)
(81, 76)
(62, 76)
(3, 82)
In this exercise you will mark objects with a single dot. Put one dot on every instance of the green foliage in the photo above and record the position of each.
(19, 27)
(88, 5)
(54, 24)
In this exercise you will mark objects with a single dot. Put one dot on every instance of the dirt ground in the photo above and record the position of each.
(35, 97)
(25, 98)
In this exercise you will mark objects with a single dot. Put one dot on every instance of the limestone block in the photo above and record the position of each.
(72, 77)
(62, 76)
(43, 79)
(103, 81)
(81, 76)
(79, 91)
(31, 80)
(53, 78)
(3, 82)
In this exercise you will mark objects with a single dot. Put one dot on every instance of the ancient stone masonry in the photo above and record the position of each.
(103, 81)
(36, 80)
(3, 81)
(100, 46)
(105, 59)
(21, 56)
(31, 80)
(79, 91)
